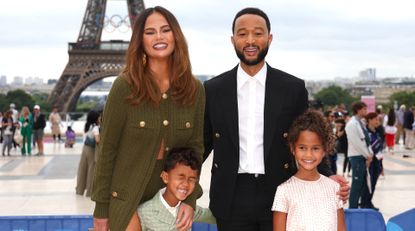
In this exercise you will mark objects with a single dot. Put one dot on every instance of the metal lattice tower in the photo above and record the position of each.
(91, 59)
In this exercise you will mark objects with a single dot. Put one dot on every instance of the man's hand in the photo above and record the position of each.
(344, 187)
(184, 217)
(101, 224)
(368, 161)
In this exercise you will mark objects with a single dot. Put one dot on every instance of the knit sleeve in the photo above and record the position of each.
(280, 200)
(113, 120)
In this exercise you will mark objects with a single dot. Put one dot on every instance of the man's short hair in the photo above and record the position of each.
(185, 156)
(356, 106)
(255, 11)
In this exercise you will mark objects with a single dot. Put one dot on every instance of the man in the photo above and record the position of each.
(399, 124)
(39, 125)
(359, 152)
(408, 120)
(15, 114)
(249, 110)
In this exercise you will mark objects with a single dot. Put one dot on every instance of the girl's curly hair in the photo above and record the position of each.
(312, 120)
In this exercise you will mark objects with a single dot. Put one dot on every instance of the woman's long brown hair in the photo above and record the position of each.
(183, 85)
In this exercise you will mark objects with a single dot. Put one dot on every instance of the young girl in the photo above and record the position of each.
(308, 200)
(70, 137)
(390, 130)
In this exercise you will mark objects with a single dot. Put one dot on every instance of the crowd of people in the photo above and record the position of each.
(364, 138)
(24, 130)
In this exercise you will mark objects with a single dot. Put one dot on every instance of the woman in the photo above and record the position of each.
(55, 123)
(26, 123)
(390, 130)
(8, 129)
(87, 161)
(156, 104)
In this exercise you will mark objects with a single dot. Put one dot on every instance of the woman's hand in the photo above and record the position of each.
(101, 224)
(184, 217)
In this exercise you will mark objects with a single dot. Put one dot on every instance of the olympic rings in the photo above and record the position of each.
(115, 22)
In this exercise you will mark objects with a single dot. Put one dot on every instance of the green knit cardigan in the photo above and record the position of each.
(130, 141)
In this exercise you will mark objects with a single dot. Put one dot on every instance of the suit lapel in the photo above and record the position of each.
(273, 101)
(229, 107)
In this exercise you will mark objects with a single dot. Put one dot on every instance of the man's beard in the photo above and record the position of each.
(261, 56)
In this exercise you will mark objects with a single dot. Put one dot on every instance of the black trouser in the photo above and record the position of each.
(251, 206)
(374, 171)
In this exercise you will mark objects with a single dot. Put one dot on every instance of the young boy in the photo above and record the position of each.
(180, 174)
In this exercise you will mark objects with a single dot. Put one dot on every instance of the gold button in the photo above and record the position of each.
(167, 149)
(217, 135)
(142, 124)
(286, 165)
(187, 124)
(165, 122)
(165, 96)
(114, 194)
(285, 135)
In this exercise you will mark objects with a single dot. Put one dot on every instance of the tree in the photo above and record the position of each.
(403, 97)
(19, 97)
(334, 95)
(41, 99)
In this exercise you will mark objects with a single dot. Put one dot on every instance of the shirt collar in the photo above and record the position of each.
(243, 77)
(172, 210)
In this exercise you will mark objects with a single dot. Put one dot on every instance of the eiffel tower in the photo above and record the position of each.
(91, 59)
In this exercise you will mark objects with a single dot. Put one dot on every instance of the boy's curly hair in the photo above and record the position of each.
(312, 120)
(185, 156)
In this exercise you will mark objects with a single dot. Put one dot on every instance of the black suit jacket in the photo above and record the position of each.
(285, 98)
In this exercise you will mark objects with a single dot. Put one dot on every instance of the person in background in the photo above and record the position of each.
(87, 161)
(155, 104)
(308, 200)
(1, 127)
(55, 122)
(39, 124)
(341, 144)
(390, 130)
(329, 116)
(376, 144)
(70, 136)
(15, 116)
(26, 123)
(8, 127)
(399, 124)
(359, 152)
(407, 126)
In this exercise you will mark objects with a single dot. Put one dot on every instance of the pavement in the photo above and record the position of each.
(45, 185)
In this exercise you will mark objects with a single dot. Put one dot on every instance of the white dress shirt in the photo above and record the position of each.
(172, 210)
(251, 98)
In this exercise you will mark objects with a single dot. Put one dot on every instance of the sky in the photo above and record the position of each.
(312, 39)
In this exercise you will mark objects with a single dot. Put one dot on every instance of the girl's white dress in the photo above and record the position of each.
(310, 205)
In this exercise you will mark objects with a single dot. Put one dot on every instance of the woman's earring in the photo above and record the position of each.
(144, 59)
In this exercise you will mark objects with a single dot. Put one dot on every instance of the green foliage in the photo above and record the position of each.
(403, 97)
(19, 97)
(41, 99)
(334, 95)
(86, 106)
